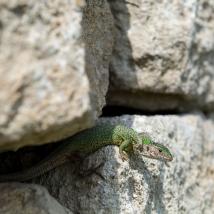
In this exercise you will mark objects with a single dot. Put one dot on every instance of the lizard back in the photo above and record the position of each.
(99, 136)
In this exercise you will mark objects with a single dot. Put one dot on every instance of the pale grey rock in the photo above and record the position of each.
(16, 198)
(54, 58)
(98, 29)
(143, 185)
(163, 55)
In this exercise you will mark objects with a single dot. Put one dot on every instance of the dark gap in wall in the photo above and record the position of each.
(112, 111)
(24, 157)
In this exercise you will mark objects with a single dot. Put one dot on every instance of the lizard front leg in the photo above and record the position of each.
(124, 148)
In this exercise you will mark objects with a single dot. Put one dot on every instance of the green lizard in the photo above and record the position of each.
(90, 140)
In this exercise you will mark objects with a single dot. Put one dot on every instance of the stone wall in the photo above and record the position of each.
(62, 62)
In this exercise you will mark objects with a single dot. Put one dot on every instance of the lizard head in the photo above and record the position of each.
(153, 150)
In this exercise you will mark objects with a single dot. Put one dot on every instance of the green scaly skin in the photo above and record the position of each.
(89, 141)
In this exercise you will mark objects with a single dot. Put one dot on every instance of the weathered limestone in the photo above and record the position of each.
(142, 185)
(98, 36)
(163, 55)
(19, 198)
(54, 59)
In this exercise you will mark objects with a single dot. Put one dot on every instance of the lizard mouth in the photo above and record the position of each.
(168, 159)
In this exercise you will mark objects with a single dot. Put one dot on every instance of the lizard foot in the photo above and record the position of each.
(124, 156)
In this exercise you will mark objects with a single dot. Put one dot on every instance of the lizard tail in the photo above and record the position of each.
(35, 171)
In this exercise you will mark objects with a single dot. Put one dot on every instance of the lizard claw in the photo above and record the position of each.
(124, 156)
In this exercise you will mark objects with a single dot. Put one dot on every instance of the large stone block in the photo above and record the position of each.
(142, 185)
(54, 58)
(28, 199)
(163, 55)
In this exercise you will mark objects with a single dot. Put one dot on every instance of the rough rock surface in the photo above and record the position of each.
(98, 29)
(54, 58)
(142, 185)
(163, 55)
(18, 198)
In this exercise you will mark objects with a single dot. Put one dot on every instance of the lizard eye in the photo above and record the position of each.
(160, 150)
